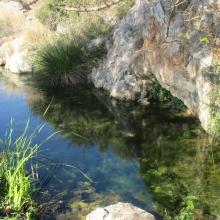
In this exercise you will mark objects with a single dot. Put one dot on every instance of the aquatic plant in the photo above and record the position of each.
(16, 184)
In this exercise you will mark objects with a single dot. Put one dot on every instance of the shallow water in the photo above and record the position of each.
(108, 151)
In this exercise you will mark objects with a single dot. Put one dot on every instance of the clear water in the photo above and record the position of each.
(110, 151)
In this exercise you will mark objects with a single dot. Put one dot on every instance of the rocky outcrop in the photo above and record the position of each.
(14, 56)
(173, 39)
(120, 211)
(14, 48)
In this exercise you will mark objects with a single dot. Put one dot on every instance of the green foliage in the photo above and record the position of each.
(123, 8)
(16, 198)
(48, 14)
(66, 61)
(51, 15)
(215, 111)
(157, 93)
(173, 153)
(204, 40)
(186, 213)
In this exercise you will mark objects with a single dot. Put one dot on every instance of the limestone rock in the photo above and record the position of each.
(120, 211)
(14, 56)
(18, 62)
(152, 38)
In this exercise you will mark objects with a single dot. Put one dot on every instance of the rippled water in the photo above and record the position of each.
(110, 151)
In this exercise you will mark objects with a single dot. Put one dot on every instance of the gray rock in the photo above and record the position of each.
(152, 38)
(120, 211)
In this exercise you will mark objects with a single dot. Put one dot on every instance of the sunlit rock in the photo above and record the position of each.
(120, 211)
(175, 45)
(18, 62)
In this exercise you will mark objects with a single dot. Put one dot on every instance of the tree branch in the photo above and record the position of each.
(23, 4)
(84, 9)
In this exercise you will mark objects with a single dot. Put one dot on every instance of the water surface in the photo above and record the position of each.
(108, 151)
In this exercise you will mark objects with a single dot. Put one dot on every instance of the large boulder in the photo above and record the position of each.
(120, 211)
(18, 62)
(14, 56)
(175, 42)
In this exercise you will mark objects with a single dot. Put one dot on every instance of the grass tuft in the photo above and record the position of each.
(67, 60)
(16, 184)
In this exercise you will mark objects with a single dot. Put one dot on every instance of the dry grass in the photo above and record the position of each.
(13, 23)
(35, 33)
(10, 21)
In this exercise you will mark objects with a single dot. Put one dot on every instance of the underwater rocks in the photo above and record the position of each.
(176, 44)
(120, 211)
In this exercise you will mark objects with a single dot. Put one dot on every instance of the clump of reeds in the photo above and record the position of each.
(16, 183)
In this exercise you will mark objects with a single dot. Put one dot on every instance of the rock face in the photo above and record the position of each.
(174, 40)
(120, 211)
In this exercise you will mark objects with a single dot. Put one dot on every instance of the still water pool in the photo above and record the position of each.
(108, 151)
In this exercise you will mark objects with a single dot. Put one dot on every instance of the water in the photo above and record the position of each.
(110, 151)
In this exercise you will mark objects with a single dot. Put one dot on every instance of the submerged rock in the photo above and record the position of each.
(173, 43)
(120, 211)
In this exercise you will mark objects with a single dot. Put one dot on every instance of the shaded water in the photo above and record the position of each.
(110, 151)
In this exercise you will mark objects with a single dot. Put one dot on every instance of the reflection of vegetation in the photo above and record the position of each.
(186, 213)
(175, 157)
(180, 168)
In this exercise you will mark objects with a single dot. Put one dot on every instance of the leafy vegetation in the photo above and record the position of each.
(151, 136)
(186, 213)
(16, 184)
(159, 94)
(51, 15)
(67, 60)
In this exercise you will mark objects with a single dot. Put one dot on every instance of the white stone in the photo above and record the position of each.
(120, 211)
(18, 62)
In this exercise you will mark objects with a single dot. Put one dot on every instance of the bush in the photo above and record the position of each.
(65, 63)
(67, 60)
(157, 93)
(51, 15)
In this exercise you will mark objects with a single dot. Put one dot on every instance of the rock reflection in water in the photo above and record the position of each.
(174, 156)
